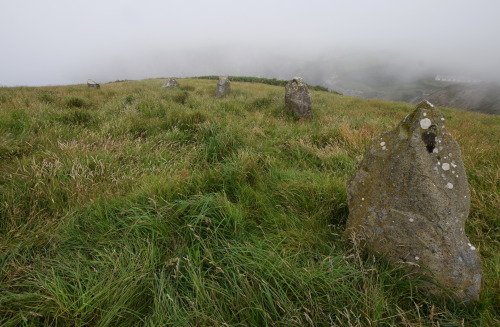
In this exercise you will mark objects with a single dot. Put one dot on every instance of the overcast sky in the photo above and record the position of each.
(52, 42)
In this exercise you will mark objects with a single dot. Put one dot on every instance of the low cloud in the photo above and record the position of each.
(60, 42)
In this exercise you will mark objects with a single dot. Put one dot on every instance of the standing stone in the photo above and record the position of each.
(170, 83)
(223, 87)
(93, 84)
(298, 99)
(409, 201)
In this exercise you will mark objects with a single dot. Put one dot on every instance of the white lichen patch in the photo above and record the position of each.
(382, 143)
(425, 114)
(425, 123)
(442, 119)
(445, 166)
(417, 258)
(411, 220)
(449, 186)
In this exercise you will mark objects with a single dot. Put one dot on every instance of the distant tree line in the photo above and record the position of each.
(270, 81)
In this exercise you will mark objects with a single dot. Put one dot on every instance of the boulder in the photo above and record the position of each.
(409, 200)
(298, 99)
(93, 84)
(171, 82)
(223, 87)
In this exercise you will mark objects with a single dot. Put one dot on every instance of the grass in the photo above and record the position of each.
(136, 205)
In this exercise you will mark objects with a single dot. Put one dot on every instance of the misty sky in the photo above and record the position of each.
(54, 42)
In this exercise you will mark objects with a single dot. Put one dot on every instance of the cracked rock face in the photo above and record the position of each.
(223, 87)
(298, 99)
(170, 83)
(409, 200)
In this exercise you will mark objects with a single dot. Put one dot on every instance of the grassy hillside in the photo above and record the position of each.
(136, 205)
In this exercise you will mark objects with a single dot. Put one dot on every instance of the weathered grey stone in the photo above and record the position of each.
(170, 83)
(223, 87)
(91, 83)
(409, 200)
(298, 99)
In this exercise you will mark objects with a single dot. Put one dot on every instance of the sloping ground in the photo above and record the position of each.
(137, 205)
(481, 97)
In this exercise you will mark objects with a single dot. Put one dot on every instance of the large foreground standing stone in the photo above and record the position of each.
(223, 87)
(171, 82)
(297, 98)
(409, 201)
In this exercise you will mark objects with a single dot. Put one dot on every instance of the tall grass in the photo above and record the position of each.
(137, 205)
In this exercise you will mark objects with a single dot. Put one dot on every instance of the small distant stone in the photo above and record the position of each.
(445, 166)
(223, 87)
(298, 99)
(93, 84)
(449, 186)
(171, 82)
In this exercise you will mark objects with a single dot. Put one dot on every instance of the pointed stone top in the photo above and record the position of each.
(425, 105)
(298, 79)
(424, 117)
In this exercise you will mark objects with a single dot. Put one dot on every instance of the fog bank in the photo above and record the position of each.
(60, 42)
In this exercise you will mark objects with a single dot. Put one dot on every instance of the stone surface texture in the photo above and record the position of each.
(223, 87)
(298, 99)
(409, 200)
(171, 82)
